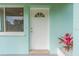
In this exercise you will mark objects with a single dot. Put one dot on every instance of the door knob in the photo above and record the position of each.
(31, 29)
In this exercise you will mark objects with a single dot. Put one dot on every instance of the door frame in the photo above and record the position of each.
(48, 25)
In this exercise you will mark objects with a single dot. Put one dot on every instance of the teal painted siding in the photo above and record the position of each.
(76, 29)
(61, 22)
(15, 44)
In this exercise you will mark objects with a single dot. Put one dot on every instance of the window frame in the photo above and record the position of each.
(4, 22)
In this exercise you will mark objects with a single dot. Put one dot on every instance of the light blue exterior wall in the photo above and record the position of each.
(76, 29)
(15, 44)
(61, 21)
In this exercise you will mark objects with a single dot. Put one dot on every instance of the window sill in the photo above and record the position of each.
(12, 33)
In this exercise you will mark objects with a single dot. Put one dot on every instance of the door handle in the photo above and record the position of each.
(31, 29)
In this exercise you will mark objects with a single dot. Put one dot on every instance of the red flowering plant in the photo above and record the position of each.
(67, 40)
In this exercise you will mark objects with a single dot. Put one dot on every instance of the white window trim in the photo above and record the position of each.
(10, 33)
(4, 20)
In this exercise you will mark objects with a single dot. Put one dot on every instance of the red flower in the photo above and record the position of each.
(67, 39)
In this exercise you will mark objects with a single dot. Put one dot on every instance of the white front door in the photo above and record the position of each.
(39, 28)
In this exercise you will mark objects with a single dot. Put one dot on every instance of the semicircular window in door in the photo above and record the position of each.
(39, 14)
